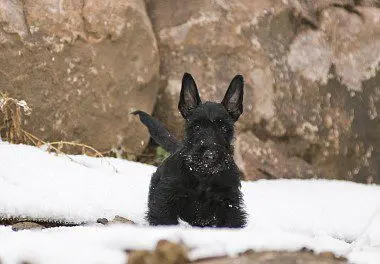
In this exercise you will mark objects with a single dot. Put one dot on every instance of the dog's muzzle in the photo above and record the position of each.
(210, 155)
(209, 158)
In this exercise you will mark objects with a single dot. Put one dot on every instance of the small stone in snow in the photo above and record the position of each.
(102, 221)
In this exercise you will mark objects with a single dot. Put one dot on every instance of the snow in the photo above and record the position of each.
(322, 215)
(58, 188)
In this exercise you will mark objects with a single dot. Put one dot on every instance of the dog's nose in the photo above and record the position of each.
(209, 155)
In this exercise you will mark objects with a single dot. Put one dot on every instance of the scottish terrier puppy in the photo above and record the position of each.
(199, 182)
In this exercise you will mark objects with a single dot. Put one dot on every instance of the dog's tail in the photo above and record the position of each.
(158, 132)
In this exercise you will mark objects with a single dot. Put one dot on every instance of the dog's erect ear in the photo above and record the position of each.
(233, 99)
(189, 98)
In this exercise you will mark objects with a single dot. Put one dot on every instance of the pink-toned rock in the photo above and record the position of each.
(259, 160)
(82, 66)
(311, 94)
(208, 39)
(346, 40)
(277, 257)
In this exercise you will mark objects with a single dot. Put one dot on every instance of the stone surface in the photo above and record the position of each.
(311, 70)
(272, 257)
(165, 252)
(103, 221)
(209, 40)
(345, 40)
(116, 220)
(170, 253)
(258, 160)
(307, 11)
(121, 220)
(312, 91)
(26, 225)
(82, 66)
(340, 62)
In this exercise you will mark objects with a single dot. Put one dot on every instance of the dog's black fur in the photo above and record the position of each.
(200, 182)
(158, 132)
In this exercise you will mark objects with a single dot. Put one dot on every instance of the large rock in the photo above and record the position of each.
(258, 159)
(277, 257)
(82, 66)
(209, 40)
(344, 108)
(311, 71)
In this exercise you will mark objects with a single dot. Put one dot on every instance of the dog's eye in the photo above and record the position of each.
(196, 127)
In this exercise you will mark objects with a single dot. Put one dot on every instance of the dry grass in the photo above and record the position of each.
(12, 112)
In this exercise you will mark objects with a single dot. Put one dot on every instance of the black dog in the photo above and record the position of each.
(200, 182)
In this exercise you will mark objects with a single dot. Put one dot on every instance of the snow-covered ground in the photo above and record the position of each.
(336, 216)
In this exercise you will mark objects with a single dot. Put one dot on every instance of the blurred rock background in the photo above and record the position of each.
(311, 68)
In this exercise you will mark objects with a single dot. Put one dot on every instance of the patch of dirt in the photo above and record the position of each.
(171, 253)
(165, 253)
(44, 223)
(280, 257)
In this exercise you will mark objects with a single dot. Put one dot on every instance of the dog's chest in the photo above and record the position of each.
(199, 205)
(201, 192)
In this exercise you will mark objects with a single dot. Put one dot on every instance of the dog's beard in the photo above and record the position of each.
(196, 163)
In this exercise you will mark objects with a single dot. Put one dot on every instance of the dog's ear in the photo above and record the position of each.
(233, 99)
(189, 98)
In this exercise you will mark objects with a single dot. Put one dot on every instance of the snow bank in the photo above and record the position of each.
(322, 215)
(34, 183)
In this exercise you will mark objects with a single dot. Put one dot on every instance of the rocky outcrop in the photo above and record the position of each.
(311, 73)
(26, 226)
(82, 66)
(266, 160)
(278, 257)
(311, 70)
(167, 252)
(209, 40)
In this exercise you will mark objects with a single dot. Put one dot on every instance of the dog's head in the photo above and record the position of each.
(209, 127)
